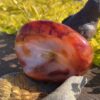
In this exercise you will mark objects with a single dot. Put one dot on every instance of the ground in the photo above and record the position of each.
(9, 63)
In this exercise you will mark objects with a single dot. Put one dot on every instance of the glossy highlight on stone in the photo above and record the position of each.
(51, 51)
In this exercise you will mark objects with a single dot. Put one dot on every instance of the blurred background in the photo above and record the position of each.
(15, 13)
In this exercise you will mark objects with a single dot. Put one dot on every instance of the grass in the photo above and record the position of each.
(15, 13)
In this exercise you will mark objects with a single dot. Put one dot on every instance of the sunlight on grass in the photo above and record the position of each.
(14, 13)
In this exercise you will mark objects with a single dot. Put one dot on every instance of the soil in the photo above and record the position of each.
(9, 63)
